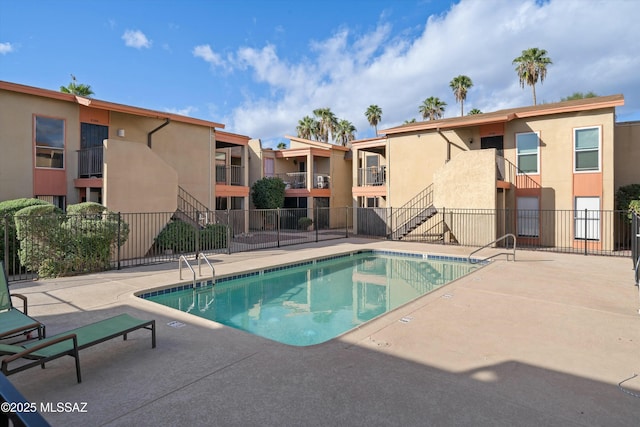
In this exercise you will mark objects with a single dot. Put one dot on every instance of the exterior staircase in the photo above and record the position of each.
(191, 210)
(413, 214)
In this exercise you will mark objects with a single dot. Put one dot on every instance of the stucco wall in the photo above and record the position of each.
(413, 159)
(188, 149)
(137, 180)
(16, 142)
(627, 154)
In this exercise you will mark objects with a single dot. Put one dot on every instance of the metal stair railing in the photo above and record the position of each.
(413, 211)
(192, 208)
(506, 236)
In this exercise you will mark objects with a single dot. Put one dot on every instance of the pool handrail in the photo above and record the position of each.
(213, 270)
(506, 236)
(182, 257)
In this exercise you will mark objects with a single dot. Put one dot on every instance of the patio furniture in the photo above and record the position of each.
(14, 322)
(69, 343)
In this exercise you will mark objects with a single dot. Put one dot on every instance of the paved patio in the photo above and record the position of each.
(544, 340)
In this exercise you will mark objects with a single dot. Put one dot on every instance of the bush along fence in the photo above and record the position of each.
(43, 242)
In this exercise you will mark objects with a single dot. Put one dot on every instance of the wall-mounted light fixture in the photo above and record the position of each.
(470, 140)
(121, 133)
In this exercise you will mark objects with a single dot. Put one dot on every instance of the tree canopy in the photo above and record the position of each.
(76, 88)
(531, 66)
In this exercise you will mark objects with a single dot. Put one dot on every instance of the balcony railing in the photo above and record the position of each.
(229, 175)
(294, 180)
(372, 176)
(90, 162)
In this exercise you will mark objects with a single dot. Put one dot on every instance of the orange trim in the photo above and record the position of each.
(302, 152)
(91, 115)
(492, 129)
(503, 184)
(369, 191)
(104, 105)
(88, 182)
(231, 138)
(231, 191)
(587, 184)
(49, 182)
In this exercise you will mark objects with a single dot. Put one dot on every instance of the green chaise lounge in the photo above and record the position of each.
(14, 322)
(69, 343)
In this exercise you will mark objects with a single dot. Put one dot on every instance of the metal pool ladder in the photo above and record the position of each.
(506, 236)
(193, 272)
(213, 270)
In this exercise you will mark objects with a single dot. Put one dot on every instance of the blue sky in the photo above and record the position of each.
(260, 66)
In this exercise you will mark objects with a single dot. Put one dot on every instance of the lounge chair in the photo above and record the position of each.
(69, 343)
(14, 322)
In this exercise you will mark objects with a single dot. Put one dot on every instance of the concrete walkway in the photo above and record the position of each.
(544, 340)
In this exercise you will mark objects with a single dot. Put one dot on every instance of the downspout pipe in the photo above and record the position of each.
(156, 130)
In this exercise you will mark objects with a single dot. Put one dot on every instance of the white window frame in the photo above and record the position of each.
(537, 172)
(592, 218)
(37, 147)
(528, 218)
(575, 151)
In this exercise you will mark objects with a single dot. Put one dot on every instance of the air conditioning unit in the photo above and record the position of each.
(321, 183)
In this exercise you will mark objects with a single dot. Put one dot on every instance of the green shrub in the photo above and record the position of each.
(180, 237)
(213, 236)
(304, 223)
(268, 193)
(634, 206)
(8, 208)
(55, 244)
(625, 195)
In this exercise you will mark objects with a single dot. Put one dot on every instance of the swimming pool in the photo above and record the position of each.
(314, 301)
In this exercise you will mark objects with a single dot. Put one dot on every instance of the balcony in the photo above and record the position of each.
(229, 175)
(90, 162)
(294, 179)
(372, 176)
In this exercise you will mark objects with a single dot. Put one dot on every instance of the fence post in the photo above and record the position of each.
(586, 227)
(346, 222)
(316, 218)
(5, 224)
(278, 225)
(229, 222)
(390, 234)
(118, 242)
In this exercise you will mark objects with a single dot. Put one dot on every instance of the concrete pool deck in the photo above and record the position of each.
(544, 340)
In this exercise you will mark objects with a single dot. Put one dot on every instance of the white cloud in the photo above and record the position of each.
(205, 52)
(186, 111)
(397, 71)
(136, 39)
(5, 48)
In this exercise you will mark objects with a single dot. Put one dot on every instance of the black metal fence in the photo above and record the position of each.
(72, 244)
(583, 232)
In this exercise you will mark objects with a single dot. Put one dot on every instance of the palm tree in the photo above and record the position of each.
(345, 132)
(531, 66)
(306, 127)
(328, 123)
(474, 111)
(432, 108)
(77, 89)
(281, 145)
(406, 122)
(460, 85)
(374, 114)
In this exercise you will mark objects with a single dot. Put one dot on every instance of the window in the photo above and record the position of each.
(587, 149)
(268, 167)
(527, 149)
(49, 139)
(528, 217)
(587, 218)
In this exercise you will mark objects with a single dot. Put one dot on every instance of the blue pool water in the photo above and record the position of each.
(312, 302)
